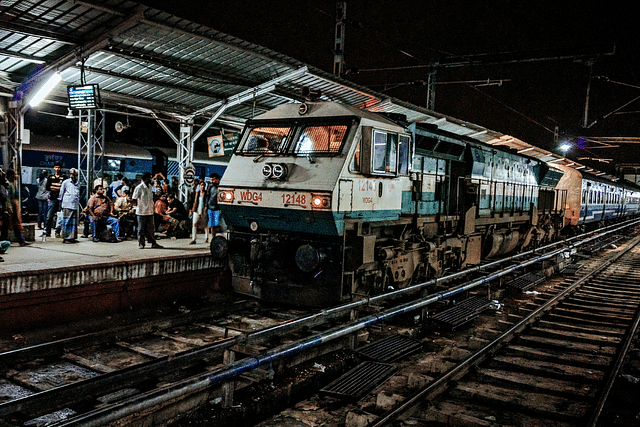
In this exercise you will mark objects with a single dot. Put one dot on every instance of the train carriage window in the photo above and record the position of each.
(320, 139)
(113, 165)
(265, 139)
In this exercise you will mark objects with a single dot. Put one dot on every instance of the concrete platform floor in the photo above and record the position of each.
(53, 253)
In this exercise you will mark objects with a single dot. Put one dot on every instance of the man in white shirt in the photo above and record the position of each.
(143, 198)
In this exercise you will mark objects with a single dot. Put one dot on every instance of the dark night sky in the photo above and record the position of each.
(534, 97)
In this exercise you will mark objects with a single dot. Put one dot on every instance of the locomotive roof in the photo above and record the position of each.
(321, 109)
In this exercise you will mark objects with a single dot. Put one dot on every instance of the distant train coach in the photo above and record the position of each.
(127, 159)
(325, 201)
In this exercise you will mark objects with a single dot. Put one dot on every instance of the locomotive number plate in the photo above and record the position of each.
(294, 199)
(273, 199)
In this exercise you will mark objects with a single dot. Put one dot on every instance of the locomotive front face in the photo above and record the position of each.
(284, 196)
(283, 174)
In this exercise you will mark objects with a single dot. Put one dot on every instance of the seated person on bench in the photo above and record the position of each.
(100, 208)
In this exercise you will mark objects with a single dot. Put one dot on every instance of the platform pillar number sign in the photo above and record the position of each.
(189, 175)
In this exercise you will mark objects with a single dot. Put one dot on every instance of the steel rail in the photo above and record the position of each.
(408, 406)
(604, 395)
(145, 401)
(46, 401)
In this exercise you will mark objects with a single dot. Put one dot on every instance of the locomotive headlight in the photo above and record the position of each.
(267, 170)
(226, 196)
(279, 170)
(320, 201)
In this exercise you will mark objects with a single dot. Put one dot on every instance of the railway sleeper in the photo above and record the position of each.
(585, 322)
(588, 361)
(590, 329)
(517, 400)
(575, 304)
(551, 370)
(591, 316)
(547, 343)
(528, 382)
(611, 302)
(452, 413)
(573, 336)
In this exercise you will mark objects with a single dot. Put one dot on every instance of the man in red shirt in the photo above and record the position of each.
(100, 208)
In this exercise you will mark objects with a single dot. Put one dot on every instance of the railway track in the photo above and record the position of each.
(124, 374)
(61, 380)
(554, 367)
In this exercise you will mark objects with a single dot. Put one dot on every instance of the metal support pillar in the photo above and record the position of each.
(4, 132)
(184, 156)
(91, 131)
(15, 126)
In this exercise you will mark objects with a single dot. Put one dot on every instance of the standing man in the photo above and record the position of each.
(54, 183)
(69, 196)
(12, 206)
(143, 197)
(113, 187)
(212, 204)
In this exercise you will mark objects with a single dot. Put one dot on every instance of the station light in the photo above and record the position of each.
(565, 147)
(44, 90)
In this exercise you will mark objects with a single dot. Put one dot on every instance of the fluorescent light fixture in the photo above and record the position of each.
(44, 90)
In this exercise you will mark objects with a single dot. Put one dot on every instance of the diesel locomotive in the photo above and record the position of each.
(324, 201)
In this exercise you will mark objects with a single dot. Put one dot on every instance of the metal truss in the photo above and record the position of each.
(91, 132)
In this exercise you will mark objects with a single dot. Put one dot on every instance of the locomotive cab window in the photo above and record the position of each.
(264, 140)
(384, 153)
(320, 139)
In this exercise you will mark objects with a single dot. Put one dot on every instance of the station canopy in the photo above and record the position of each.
(169, 68)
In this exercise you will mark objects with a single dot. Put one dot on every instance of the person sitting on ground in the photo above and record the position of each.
(164, 221)
(175, 208)
(177, 211)
(100, 208)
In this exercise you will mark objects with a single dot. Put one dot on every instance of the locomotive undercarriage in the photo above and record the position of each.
(371, 257)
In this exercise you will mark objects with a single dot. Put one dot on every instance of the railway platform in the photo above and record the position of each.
(51, 281)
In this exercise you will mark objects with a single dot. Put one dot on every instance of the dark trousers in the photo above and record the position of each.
(54, 207)
(43, 212)
(146, 229)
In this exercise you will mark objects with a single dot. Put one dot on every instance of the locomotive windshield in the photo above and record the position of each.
(298, 138)
(266, 139)
(320, 139)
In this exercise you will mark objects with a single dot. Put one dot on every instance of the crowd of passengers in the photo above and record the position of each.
(115, 211)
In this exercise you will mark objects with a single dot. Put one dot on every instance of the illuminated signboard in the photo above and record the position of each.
(83, 97)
